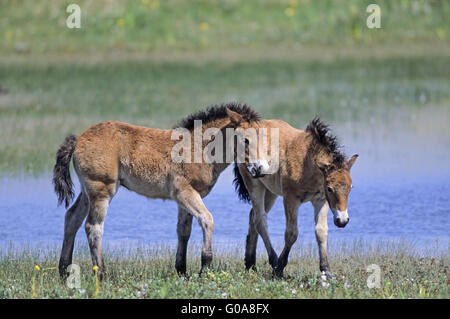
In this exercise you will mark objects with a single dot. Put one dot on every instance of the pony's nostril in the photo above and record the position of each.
(340, 222)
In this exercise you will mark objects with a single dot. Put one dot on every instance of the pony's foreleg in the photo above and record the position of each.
(73, 220)
(260, 221)
(290, 236)
(321, 230)
(251, 243)
(252, 236)
(184, 227)
(191, 200)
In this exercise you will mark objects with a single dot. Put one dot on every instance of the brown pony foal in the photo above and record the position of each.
(113, 154)
(311, 169)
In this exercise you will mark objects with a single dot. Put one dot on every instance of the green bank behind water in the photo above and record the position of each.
(40, 103)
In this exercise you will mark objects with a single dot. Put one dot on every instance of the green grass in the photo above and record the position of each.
(43, 102)
(154, 25)
(148, 272)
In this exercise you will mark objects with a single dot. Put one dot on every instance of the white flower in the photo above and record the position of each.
(325, 284)
(81, 291)
(346, 284)
(224, 294)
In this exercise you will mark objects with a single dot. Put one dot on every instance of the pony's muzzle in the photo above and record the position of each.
(341, 218)
(258, 168)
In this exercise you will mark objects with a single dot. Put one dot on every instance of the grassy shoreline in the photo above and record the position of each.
(307, 53)
(148, 272)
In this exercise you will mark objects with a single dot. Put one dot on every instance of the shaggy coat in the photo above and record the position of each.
(113, 154)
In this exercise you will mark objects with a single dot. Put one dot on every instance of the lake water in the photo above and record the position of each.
(401, 193)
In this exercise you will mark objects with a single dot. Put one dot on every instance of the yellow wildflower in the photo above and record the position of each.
(170, 40)
(95, 268)
(121, 22)
(440, 32)
(289, 12)
(293, 3)
(154, 4)
(204, 26)
(8, 34)
(37, 267)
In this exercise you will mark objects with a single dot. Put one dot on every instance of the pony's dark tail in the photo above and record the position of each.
(239, 185)
(61, 172)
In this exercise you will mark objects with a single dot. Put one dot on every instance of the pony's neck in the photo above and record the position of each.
(216, 167)
(316, 152)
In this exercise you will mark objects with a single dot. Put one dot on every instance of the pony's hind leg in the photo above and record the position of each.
(73, 220)
(184, 227)
(191, 200)
(99, 203)
(252, 236)
(257, 196)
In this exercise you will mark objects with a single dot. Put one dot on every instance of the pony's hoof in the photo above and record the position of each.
(278, 274)
(326, 275)
(203, 270)
(184, 276)
(250, 268)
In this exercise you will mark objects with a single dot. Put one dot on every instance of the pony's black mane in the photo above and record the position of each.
(216, 112)
(322, 136)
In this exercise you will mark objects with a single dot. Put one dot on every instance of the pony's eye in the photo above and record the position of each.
(246, 142)
(330, 189)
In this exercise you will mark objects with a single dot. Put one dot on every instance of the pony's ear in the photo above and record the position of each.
(352, 161)
(324, 167)
(235, 117)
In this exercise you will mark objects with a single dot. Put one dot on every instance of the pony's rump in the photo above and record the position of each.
(61, 172)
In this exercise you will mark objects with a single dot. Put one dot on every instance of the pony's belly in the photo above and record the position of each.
(272, 183)
(153, 189)
(313, 196)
